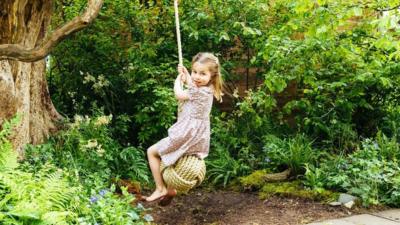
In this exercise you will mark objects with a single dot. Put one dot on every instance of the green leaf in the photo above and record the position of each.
(224, 36)
(275, 83)
(384, 43)
(385, 82)
(322, 29)
(357, 11)
(133, 215)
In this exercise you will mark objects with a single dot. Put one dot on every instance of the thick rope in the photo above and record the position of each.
(178, 32)
(178, 37)
(187, 173)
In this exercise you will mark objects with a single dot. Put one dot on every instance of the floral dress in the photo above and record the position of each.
(190, 135)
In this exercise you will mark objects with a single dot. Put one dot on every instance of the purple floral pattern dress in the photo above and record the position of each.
(190, 135)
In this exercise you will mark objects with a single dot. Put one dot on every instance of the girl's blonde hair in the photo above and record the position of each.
(215, 69)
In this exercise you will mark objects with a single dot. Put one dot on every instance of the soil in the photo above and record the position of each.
(233, 208)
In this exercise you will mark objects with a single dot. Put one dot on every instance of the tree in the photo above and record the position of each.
(25, 41)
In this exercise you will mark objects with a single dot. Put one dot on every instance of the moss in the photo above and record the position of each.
(296, 189)
(254, 181)
(235, 185)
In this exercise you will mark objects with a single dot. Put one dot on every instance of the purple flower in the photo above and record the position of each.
(103, 192)
(93, 199)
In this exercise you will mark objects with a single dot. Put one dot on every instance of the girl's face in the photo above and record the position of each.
(201, 75)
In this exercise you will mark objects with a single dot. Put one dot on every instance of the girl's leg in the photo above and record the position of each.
(155, 161)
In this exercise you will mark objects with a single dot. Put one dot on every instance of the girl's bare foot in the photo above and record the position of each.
(157, 194)
(171, 193)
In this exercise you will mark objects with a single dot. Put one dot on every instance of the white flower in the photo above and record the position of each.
(78, 118)
(100, 151)
(103, 120)
(92, 143)
(77, 121)
(100, 83)
(89, 78)
(236, 93)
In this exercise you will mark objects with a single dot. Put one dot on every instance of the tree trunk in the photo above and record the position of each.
(23, 46)
(23, 86)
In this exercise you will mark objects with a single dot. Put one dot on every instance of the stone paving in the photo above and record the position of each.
(389, 217)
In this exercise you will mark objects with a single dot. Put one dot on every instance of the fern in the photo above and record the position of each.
(44, 197)
(56, 192)
(8, 157)
(13, 185)
(56, 218)
(8, 125)
(134, 164)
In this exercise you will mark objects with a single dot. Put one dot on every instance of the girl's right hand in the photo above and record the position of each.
(182, 69)
(181, 78)
(183, 72)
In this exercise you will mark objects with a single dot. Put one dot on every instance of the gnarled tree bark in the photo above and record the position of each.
(24, 44)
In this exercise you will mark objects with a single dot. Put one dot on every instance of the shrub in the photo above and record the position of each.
(293, 153)
(371, 172)
(52, 196)
(87, 149)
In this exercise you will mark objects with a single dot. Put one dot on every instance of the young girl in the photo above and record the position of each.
(190, 135)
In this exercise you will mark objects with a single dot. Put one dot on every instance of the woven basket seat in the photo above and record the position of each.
(189, 171)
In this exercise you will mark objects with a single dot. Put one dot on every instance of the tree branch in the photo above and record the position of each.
(388, 9)
(21, 53)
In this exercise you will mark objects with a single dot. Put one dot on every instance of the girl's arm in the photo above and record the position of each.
(180, 94)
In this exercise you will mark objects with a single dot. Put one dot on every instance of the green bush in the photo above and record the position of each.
(371, 173)
(334, 85)
(52, 196)
(391, 121)
(222, 168)
(87, 149)
(293, 153)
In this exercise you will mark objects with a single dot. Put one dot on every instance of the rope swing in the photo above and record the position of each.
(189, 171)
(178, 32)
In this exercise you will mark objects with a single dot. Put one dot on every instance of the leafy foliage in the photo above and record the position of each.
(371, 172)
(293, 153)
(329, 72)
(8, 157)
(223, 168)
(335, 85)
(87, 149)
(52, 196)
